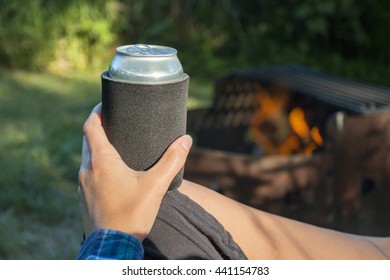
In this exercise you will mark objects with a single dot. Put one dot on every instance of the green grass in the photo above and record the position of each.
(41, 117)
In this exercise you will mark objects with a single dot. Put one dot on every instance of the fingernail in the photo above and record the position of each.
(186, 142)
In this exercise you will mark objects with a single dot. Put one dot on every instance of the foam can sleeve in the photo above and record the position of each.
(142, 120)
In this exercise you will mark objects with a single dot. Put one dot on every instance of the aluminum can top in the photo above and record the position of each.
(142, 63)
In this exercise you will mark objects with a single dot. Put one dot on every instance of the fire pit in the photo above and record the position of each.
(299, 143)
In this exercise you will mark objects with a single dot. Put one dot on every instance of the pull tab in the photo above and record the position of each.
(143, 49)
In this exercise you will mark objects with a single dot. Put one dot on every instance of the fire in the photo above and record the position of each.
(309, 138)
(277, 131)
(269, 127)
(298, 124)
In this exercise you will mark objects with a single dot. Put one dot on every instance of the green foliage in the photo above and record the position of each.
(24, 34)
(83, 34)
(61, 35)
(211, 36)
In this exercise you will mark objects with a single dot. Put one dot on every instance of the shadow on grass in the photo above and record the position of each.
(41, 117)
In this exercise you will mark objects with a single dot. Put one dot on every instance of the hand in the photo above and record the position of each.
(114, 196)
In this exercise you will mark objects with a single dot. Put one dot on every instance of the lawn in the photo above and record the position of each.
(41, 117)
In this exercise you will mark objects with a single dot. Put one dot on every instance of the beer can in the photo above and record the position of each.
(146, 64)
(144, 104)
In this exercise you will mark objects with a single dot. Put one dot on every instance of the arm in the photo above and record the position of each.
(266, 236)
(113, 196)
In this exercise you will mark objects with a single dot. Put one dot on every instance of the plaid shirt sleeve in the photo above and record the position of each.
(107, 244)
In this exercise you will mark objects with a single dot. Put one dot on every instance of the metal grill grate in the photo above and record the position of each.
(348, 94)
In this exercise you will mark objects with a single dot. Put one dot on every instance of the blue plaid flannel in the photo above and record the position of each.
(107, 244)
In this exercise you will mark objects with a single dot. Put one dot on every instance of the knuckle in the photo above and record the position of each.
(177, 154)
(86, 127)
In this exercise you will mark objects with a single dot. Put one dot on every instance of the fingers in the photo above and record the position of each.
(171, 162)
(93, 130)
(95, 142)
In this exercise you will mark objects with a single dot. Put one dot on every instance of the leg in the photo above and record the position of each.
(266, 236)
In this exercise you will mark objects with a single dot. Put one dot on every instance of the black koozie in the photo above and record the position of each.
(142, 120)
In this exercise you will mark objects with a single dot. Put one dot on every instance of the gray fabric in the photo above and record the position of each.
(142, 120)
(184, 230)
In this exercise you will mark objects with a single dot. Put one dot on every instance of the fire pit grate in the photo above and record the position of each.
(339, 182)
(344, 93)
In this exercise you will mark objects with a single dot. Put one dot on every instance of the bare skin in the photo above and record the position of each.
(266, 236)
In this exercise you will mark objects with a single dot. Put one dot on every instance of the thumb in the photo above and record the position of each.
(163, 172)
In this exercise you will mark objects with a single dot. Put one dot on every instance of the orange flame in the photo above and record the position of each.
(268, 125)
(298, 124)
(310, 137)
(279, 133)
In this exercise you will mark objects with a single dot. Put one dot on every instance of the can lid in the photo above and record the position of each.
(142, 63)
(146, 50)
